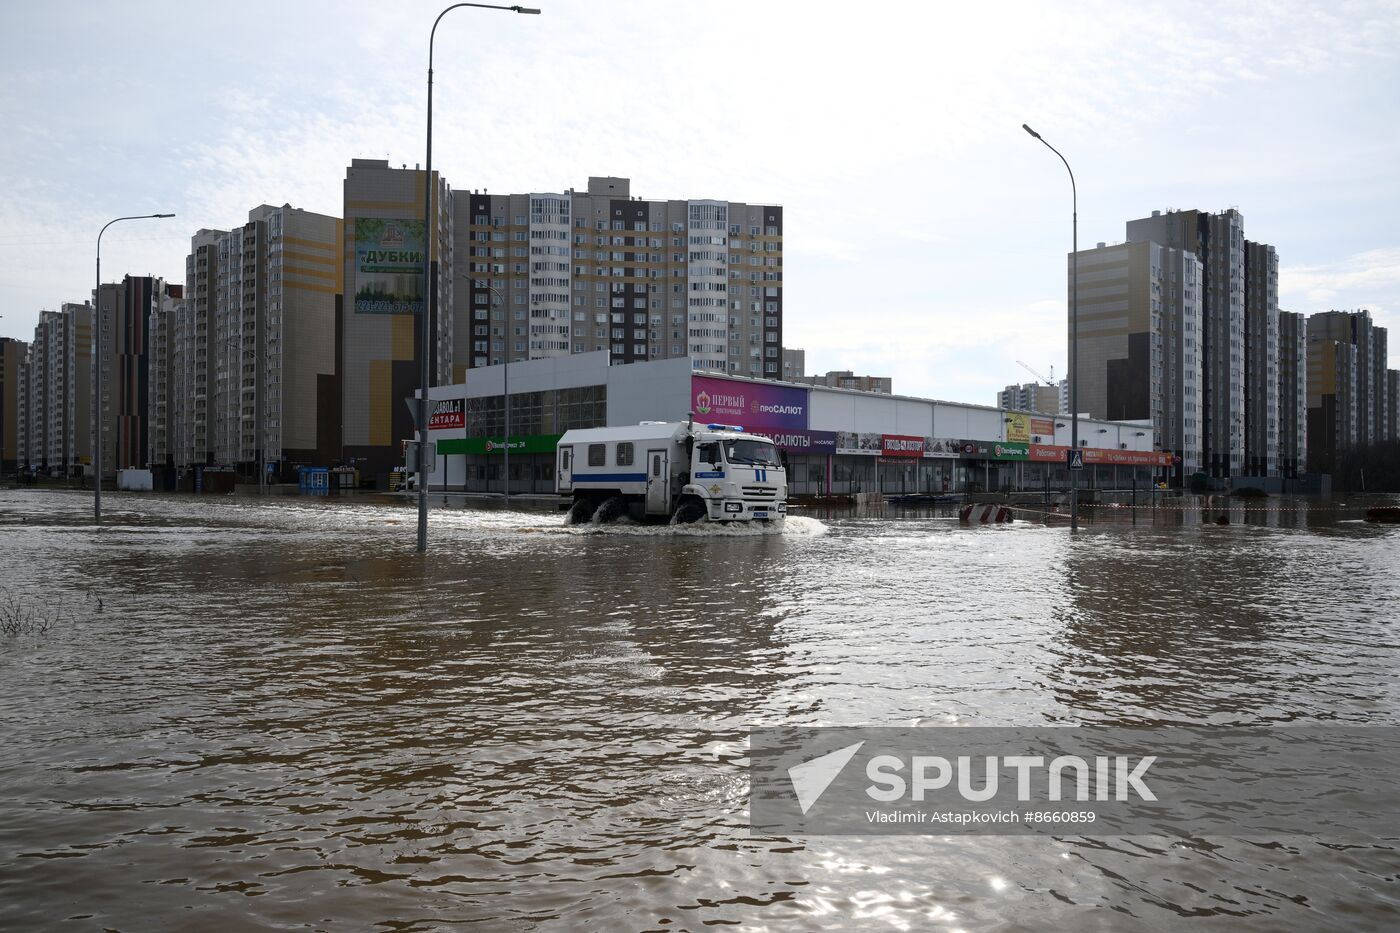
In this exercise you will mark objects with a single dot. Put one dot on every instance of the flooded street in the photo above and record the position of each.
(272, 713)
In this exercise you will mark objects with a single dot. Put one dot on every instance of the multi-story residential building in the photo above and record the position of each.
(1140, 327)
(13, 356)
(794, 362)
(268, 294)
(845, 379)
(1217, 240)
(192, 349)
(163, 410)
(1392, 397)
(551, 274)
(384, 295)
(1292, 394)
(1350, 404)
(58, 392)
(1261, 361)
(1030, 396)
(125, 313)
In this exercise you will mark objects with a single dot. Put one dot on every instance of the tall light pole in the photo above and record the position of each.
(1073, 337)
(430, 306)
(97, 419)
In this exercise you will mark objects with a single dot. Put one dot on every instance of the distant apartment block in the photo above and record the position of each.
(794, 362)
(1139, 341)
(1217, 241)
(124, 408)
(248, 357)
(1261, 361)
(14, 355)
(1292, 394)
(845, 379)
(1030, 396)
(58, 392)
(552, 274)
(384, 243)
(1349, 402)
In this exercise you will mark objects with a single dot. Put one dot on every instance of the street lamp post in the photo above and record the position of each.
(97, 418)
(1073, 336)
(430, 307)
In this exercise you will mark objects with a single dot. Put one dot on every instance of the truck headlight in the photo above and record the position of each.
(734, 506)
(782, 506)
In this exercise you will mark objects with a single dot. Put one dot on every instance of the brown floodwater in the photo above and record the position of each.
(240, 713)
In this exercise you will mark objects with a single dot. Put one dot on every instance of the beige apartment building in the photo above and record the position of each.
(1348, 385)
(384, 296)
(14, 363)
(1139, 342)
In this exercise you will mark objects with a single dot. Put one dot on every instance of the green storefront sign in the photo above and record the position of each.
(991, 450)
(481, 446)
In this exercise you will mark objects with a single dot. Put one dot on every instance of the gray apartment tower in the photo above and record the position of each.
(1292, 394)
(1140, 324)
(1217, 240)
(550, 274)
(58, 392)
(1261, 360)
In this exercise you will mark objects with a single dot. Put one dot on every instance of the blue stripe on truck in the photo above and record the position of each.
(610, 478)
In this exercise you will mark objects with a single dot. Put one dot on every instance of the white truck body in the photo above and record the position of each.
(672, 470)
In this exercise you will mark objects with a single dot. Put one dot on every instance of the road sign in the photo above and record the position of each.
(1075, 459)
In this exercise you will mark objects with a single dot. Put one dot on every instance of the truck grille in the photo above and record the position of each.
(759, 492)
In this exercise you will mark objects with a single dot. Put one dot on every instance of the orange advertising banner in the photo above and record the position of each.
(1054, 453)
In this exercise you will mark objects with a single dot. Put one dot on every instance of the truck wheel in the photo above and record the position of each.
(687, 513)
(581, 511)
(611, 510)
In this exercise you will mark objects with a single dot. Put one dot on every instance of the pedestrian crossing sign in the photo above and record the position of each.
(1075, 459)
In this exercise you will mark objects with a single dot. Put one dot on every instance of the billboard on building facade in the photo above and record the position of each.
(899, 445)
(1018, 428)
(1043, 427)
(755, 406)
(805, 442)
(854, 442)
(448, 413)
(942, 447)
(388, 266)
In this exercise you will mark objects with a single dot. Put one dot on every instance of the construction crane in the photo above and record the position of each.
(1049, 382)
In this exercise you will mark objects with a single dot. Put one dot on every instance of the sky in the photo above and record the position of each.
(925, 234)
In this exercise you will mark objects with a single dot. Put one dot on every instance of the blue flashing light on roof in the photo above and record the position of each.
(724, 427)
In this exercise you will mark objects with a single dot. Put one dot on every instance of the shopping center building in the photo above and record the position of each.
(835, 441)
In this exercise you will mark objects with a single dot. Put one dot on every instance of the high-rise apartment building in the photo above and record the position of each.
(59, 392)
(550, 274)
(125, 315)
(1217, 240)
(1261, 360)
(1292, 394)
(192, 348)
(1392, 397)
(1140, 328)
(1349, 404)
(250, 345)
(163, 411)
(13, 373)
(1030, 396)
(385, 295)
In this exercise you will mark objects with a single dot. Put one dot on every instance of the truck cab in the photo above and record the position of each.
(680, 472)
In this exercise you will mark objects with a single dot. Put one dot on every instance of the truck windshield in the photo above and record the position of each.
(761, 453)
